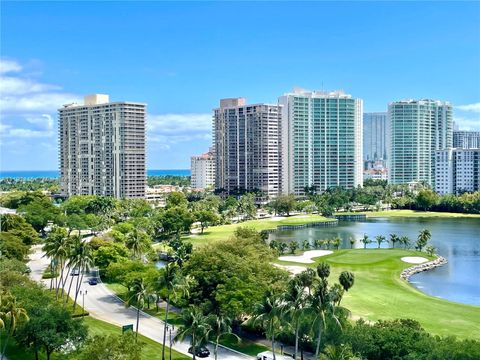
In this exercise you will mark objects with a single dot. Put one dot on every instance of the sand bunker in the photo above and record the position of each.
(306, 257)
(294, 270)
(414, 259)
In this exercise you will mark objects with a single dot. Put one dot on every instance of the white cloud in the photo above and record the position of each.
(179, 123)
(166, 130)
(35, 102)
(475, 107)
(17, 86)
(27, 105)
(9, 66)
(45, 121)
(467, 123)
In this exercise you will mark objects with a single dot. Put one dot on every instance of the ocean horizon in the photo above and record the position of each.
(53, 174)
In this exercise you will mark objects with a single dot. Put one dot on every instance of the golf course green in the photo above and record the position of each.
(223, 232)
(379, 293)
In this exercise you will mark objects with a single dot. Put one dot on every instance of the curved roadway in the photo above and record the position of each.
(104, 305)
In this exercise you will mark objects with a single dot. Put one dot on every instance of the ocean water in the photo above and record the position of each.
(52, 174)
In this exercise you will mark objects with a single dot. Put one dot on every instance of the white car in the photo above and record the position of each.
(268, 355)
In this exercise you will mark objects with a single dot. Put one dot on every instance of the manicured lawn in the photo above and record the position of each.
(223, 232)
(379, 293)
(150, 348)
(245, 346)
(414, 213)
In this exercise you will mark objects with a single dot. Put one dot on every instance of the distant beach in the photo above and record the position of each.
(53, 174)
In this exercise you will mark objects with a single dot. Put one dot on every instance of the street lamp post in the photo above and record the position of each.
(83, 293)
(170, 334)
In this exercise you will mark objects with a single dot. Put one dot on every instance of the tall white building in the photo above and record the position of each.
(102, 148)
(457, 171)
(416, 129)
(203, 170)
(247, 147)
(321, 140)
(466, 139)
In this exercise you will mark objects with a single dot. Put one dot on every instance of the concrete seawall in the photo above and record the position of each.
(350, 217)
(405, 275)
(302, 226)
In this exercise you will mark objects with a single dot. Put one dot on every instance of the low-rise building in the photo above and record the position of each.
(203, 170)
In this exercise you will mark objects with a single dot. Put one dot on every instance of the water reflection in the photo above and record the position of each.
(456, 239)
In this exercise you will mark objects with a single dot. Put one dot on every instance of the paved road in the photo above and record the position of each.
(102, 304)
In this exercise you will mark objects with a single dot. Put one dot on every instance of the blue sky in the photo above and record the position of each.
(181, 58)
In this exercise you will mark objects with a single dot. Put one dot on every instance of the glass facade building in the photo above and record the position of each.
(375, 137)
(417, 128)
(321, 140)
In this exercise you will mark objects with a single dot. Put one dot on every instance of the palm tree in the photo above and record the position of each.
(307, 279)
(195, 325)
(282, 247)
(268, 314)
(10, 315)
(219, 326)
(176, 286)
(138, 242)
(294, 305)
(423, 238)
(323, 271)
(405, 241)
(138, 295)
(336, 242)
(379, 239)
(365, 240)
(322, 305)
(352, 242)
(305, 244)
(57, 247)
(346, 279)
(430, 250)
(337, 352)
(394, 238)
(82, 259)
(293, 245)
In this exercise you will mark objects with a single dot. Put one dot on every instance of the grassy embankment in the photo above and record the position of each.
(417, 214)
(222, 232)
(379, 293)
(150, 348)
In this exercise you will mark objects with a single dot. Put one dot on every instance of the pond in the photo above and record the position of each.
(456, 239)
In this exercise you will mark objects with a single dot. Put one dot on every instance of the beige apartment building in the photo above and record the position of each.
(102, 148)
(247, 147)
(203, 170)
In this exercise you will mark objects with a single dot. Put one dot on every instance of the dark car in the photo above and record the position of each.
(75, 272)
(93, 281)
(201, 352)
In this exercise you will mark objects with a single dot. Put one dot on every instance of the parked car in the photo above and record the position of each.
(93, 281)
(268, 355)
(201, 352)
(75, 272)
